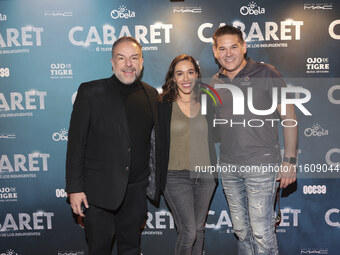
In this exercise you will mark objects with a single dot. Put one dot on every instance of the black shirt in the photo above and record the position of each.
(140, 122)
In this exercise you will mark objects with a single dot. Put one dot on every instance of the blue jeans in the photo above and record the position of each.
(251, 197)
(188, 198)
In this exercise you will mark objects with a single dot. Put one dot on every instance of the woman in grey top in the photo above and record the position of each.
(186, 145)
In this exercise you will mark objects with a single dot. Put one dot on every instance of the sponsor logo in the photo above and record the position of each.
(331, 219)
(7, 136)
(58, 14)
(62, 135)
(314, 251)
(316, 130)
(10, 252)
(154, 34)
(314, 189)
(187, 10)
(287, 30)
(331, 29)
(70, 253)
(8, 194)
(252, 9)
(4, 72)
(3, 17)
(122, 13)
(317, 65)
(331, 96)
(61, 71)
(321, 6)
(60, 193)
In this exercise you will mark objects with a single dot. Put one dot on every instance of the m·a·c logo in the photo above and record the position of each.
(187, 10)
(314, 251)
(7, 136)
(325, 6)
(58, 14)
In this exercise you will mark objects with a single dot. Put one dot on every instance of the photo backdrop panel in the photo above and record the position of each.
(47, 48)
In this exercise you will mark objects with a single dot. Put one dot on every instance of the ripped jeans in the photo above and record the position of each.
(251, 196)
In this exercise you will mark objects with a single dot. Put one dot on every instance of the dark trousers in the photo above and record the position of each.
(126, 223)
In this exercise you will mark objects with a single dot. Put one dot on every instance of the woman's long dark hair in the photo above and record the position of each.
(170, 90)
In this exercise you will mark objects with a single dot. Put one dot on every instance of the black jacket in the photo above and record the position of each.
(98, 149)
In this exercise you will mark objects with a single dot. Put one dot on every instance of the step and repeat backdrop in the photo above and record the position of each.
(47, 48)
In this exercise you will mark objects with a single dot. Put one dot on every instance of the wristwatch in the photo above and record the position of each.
(290, 160)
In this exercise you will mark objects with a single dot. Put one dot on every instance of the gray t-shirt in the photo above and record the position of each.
(249, 138)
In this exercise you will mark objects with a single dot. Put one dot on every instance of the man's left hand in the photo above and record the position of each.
(287, 174)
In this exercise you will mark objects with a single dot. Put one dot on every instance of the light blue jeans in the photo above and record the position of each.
(251, 196)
